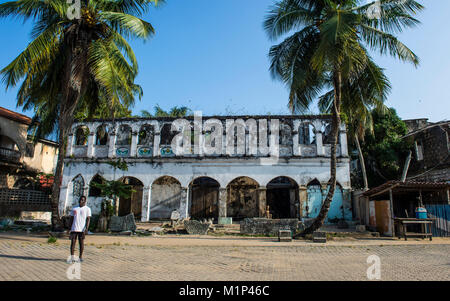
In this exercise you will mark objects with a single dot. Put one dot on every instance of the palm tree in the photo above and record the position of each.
(359, 99)
(174, 112)
(76, 60)
(329, 49)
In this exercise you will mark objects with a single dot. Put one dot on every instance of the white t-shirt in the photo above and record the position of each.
(80, 214)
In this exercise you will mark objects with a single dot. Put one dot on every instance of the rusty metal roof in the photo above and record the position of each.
(410, 185)
(15, 116)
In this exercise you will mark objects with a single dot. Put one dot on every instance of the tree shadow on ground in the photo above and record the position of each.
(29, 258)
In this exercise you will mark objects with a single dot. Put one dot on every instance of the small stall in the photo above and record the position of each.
(398, 208)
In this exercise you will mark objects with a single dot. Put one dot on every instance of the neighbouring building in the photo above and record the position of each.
(431, 150)
(21, 162)
(260, 166)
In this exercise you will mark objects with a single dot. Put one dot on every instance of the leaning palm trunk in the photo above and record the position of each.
(73, 87)
(335, 125)
(361, 161)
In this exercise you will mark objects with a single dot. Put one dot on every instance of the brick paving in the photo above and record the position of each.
(38, 260)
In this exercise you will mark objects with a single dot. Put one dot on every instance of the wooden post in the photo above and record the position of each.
(391, 203)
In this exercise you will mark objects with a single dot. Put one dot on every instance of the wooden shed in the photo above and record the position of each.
(396, 199)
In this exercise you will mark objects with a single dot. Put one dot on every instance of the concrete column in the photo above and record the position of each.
(112, 145)
(146, 198)
(262, 200)
(90, 150)
(303, 199)
(319, 144)
(184, 202)
(343, 143)
(63, 198)
(222, 202)
(157, 141)
(134, 141)
(70, 142)
(295, 145)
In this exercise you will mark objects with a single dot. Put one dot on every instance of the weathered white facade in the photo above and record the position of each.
(200, 185)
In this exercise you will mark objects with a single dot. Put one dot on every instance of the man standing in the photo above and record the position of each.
(79, 219)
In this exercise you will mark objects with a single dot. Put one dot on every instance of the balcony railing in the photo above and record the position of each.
(9, 155)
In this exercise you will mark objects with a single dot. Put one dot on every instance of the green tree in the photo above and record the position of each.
(73, 60)
(359, 98)
(384, 149)
(329, 50)
(173, 112)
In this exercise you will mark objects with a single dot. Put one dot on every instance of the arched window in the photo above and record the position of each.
(101, 135)
(307, 134)
(81, 136)
(93, 190)
(146, 135)
(78, 188)
(124, 135)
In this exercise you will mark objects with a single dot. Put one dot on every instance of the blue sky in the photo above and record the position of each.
(211, 56)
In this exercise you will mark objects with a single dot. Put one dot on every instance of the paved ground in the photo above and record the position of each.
(207, 258)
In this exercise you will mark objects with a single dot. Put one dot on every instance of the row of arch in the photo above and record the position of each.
(307, 134)
(124, 134)
(244, 197)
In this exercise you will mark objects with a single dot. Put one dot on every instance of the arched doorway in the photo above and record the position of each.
(242, 198)
(204, 198)
(166, 197)
(282, 198)
(313, 203)
(132, 204)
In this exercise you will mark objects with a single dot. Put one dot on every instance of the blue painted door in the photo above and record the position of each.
(314, 202)
(336, 210)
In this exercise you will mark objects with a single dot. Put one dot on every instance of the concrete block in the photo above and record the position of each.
(360, 228)
(320, 237)
(225, 220)
(284, 236)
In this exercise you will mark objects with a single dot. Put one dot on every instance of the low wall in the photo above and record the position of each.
(264, 226)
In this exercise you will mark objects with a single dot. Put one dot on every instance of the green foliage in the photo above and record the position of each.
(330, 40)
(383, 149)
(52, 240)
(174, 112)
(76, 66)
(108, 208)
(120, 164)
(113, 189)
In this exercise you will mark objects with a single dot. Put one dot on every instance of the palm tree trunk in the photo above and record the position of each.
(73, 85)
(335, 125)
(361, 161)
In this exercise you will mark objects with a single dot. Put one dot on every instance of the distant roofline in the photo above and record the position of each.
(15, 116)
(415, 119)
(42, 140)
(429, 126)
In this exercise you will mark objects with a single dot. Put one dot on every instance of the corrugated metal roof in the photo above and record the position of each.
(15, 116)
(409, 184)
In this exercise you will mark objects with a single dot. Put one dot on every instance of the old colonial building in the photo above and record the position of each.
(25, 166)
(236, 167)
(21, 159)
(431, 150)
